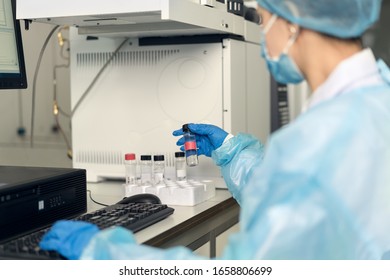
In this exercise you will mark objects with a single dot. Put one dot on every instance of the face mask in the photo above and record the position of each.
(282, 68)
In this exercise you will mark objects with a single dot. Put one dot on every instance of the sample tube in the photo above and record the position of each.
(180, 166)
(158, 169)
(146, 169)
(131, 169)
(190, 146)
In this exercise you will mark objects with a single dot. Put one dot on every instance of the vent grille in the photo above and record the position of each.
(115, 157)
(142, 58)
(97, 157)
(63, 183)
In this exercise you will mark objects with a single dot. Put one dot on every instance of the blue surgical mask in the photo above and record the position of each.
(283, 68)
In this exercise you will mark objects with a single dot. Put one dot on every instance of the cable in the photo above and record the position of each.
(56, 111)
(96, 78)
(20, 105)
(63, 133)
(62, 41)
(21, 131)
(56, 107)
(90, 196)
(35, 83)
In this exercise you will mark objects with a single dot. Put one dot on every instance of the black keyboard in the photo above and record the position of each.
(133, 216)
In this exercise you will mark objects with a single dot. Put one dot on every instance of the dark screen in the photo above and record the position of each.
(12, 68)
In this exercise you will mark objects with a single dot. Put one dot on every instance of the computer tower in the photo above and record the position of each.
(35, 197)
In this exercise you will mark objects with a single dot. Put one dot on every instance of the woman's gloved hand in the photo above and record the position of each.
(208, 137)
(69, 238)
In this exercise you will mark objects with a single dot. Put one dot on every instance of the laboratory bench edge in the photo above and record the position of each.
(190, 226)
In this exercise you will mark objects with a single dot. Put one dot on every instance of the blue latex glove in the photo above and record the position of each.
(68, 238)
(208, 137)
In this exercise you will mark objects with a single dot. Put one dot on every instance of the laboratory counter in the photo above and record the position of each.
(190, 226)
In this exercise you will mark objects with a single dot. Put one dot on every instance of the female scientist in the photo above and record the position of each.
(321, 188)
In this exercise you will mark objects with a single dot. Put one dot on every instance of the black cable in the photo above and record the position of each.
(35, 82)
(90, 196)
(21, 131)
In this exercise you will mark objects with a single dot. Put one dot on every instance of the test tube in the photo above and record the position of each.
(190, 146)
(158, 169)
(146, 169)
(131, 169)
(180, 166)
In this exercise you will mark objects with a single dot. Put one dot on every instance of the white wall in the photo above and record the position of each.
(16, 106)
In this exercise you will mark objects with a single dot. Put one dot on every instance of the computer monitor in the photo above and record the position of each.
(12, 68)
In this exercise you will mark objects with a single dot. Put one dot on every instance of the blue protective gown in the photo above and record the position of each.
(321, 189)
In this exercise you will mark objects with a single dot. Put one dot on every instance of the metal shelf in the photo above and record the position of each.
(138, 18)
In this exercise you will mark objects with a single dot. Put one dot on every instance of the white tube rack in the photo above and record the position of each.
(183, 193)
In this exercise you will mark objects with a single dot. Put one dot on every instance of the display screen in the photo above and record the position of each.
(12, 68)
